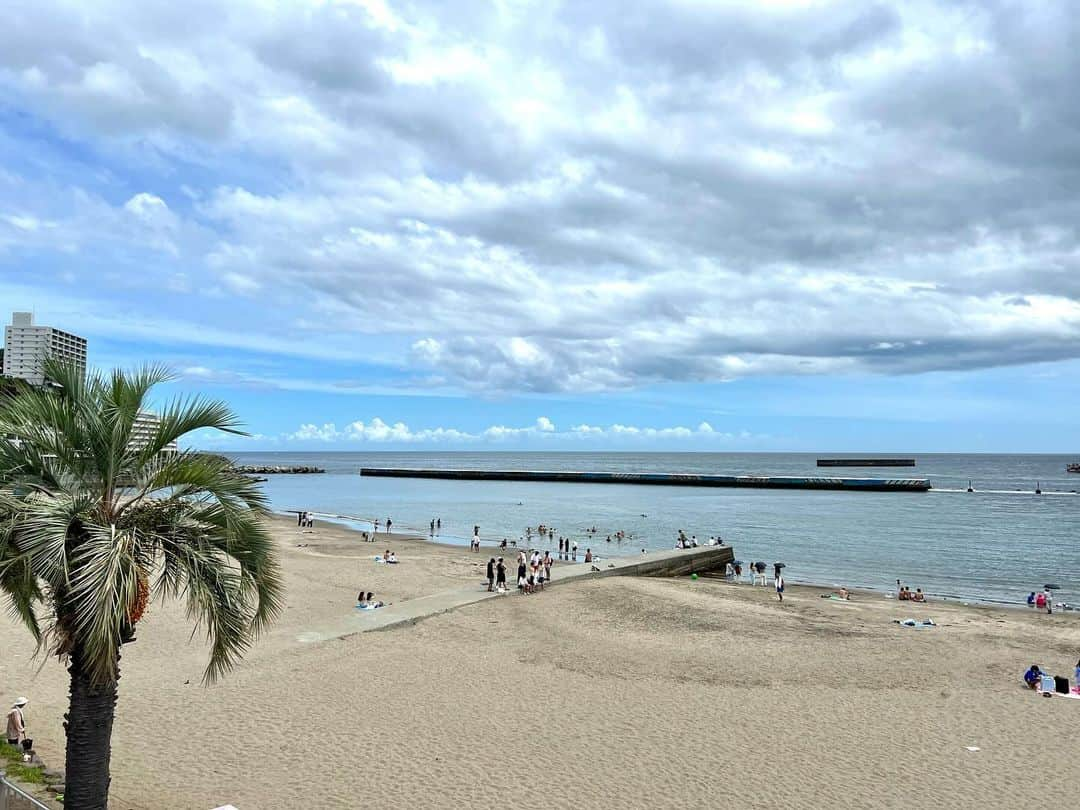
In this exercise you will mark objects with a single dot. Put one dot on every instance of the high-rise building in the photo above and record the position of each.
(26, 347)
(145, 425)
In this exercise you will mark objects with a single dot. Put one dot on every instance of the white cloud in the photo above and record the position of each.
(377, 431)
(561, 198)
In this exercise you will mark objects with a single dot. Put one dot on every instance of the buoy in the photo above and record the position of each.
(970, 488)
(693, 576)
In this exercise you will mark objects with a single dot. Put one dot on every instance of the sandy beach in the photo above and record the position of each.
(617, 692)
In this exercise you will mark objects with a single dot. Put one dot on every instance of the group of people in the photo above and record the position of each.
(388, 557)
(682, 541)
(567, 549)
(367, 601)
(304, 520)
(905, 594)
(1043, 600)
(533, 571)
(436, 526)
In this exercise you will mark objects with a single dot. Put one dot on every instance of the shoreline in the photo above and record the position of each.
(347, 522)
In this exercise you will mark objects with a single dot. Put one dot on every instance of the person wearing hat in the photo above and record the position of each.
(16, 722)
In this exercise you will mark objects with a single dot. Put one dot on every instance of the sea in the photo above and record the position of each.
(995, 544)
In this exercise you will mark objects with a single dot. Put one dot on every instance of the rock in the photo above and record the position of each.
(53, 775)
(58, 788)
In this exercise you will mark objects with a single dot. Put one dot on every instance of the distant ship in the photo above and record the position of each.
(1072, 468)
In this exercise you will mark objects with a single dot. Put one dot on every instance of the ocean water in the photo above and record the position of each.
(995, 544)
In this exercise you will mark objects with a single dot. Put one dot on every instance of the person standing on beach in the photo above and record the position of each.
(432, 529)
(1049, 601)
(780, 587)
(491, 573)
(438, 524)
(389, 523)
(16, 722)
(575, 552)
(547, 574)
(500, 576)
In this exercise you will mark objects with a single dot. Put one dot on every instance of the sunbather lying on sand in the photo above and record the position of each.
(367, 601)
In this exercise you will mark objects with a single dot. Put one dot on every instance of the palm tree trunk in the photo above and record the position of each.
(88, 723)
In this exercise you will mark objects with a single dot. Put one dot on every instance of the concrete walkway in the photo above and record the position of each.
(676, 562)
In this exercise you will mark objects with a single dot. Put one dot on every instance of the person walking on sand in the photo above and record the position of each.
(389, 524)
(780, 587)
(547, 572)
(491, 573)
(16, 722)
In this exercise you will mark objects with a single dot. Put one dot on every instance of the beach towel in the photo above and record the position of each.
(913, 623)
(1071, 695)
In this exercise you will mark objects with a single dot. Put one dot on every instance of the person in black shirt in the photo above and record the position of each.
(500, 575)
(491, 574)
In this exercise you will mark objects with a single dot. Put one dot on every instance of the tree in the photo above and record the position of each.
(92, 525)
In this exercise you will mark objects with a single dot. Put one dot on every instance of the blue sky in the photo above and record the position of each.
(371, 225)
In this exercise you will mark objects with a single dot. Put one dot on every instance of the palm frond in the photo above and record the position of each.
(85, 513)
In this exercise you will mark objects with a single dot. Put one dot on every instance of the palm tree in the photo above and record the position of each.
(93, 523)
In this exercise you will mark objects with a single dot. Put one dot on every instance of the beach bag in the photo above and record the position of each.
(1061, 685)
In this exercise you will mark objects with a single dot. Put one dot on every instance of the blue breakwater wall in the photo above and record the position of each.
(663, 479)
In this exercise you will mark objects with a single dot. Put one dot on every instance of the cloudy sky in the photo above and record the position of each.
(689, 225)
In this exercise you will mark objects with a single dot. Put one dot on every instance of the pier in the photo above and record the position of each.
(866, 462)
(662, 479)
(670, 563)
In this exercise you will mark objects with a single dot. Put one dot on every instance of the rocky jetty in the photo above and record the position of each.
(276, 469)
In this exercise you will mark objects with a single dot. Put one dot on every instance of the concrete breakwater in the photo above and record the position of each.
(866, 462)
(663, 479)
(275, 469)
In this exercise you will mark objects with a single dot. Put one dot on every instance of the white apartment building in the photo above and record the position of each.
(26, 347)
(145, 425)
